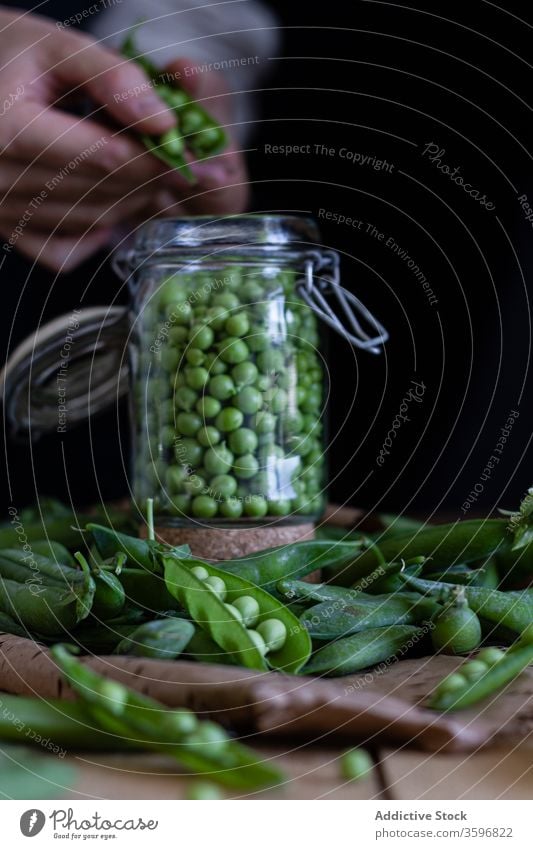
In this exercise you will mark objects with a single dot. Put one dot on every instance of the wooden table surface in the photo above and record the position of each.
(313, 773)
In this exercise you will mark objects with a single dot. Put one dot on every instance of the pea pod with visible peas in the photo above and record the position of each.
(360, 651)
(482, 677)
(240, 617)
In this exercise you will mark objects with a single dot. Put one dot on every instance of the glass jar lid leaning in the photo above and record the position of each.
(227, 369)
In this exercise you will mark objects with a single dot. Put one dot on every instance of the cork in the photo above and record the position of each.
(228, 543)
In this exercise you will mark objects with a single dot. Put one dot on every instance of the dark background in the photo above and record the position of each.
(382, 80)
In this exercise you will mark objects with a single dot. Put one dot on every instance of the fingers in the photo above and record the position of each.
(118, 84)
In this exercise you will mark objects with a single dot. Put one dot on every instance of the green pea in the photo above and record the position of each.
(474, 669)
(194, 485)
(175, 477)
(203, 791)
(263, 382)
(255, 506)
(246, 466)
(313, 401)
(251, 292)
(172, 141)
(210, 738)
(185, 398)
(258, 339)
(258, 641)
(216, 316)
(226, 299)
(191, 120)
(490, 655)
(201, 336)
(244, 374)
(167, 435)
(171, 290)
(229, 419)
(237, 324)
(273, 632)
(231, 509)
(196, 377)
(275, 399)
(264, 422)
(200, 572)
(207, 436)
(453, 682)
(204, 507)
(188, 423)
(221, 387)
(243, 441)
(249, 400)
(217, 585)
(356, 764)
(218, 460)
(208, 407)
(170, 358)
(271, 360)
(187, 450)
(293, 422)
(181, 503)
(249, 609)
(224, 486)
(233, 350)
(234, 611)
(194, 356)
(281, 507)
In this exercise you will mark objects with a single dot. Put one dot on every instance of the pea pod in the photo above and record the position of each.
(109, 596)
(332, 619)
(140, 552)
(37, 569)
(469, 692)
(62, 529)
(54, 551)
(226, 628)
(161, 638)
(315, 592)
(265, 568)
(147, 590)
(203, 649)
(512, 609)
(361, 651)
(48, 608)
(446, 545)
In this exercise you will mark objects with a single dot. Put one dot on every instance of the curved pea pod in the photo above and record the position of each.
(267, 567)
(47, 608)
(226, 629)
(362, 650)
(109, 596)
(446, 545)
(514, 610)
(54, 551)
(332, 619)
(314, 592)
(161, 638)
(147, 590)
(140, 552)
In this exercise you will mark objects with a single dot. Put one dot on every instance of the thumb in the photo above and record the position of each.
(116, 83)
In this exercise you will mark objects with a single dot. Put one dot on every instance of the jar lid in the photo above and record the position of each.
(69, 369)
(265, 230)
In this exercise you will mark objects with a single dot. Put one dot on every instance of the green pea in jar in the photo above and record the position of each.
(227, 369)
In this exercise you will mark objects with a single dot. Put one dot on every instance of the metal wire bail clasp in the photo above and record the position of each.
(325, 268)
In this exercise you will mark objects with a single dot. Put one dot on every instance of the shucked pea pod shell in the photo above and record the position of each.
(297, 648)
(446, 545)
(203, 649)
(209, 612)
(360, 651)
(265, 568)
(333, 619)
(147, 590)
(514, 610)
(160, 638)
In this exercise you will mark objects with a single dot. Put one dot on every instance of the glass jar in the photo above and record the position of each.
(227, 378)
(227, 369)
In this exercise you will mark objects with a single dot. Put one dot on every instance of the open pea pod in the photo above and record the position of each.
(226, 629)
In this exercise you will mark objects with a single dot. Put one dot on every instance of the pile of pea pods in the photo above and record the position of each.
(450, 589)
